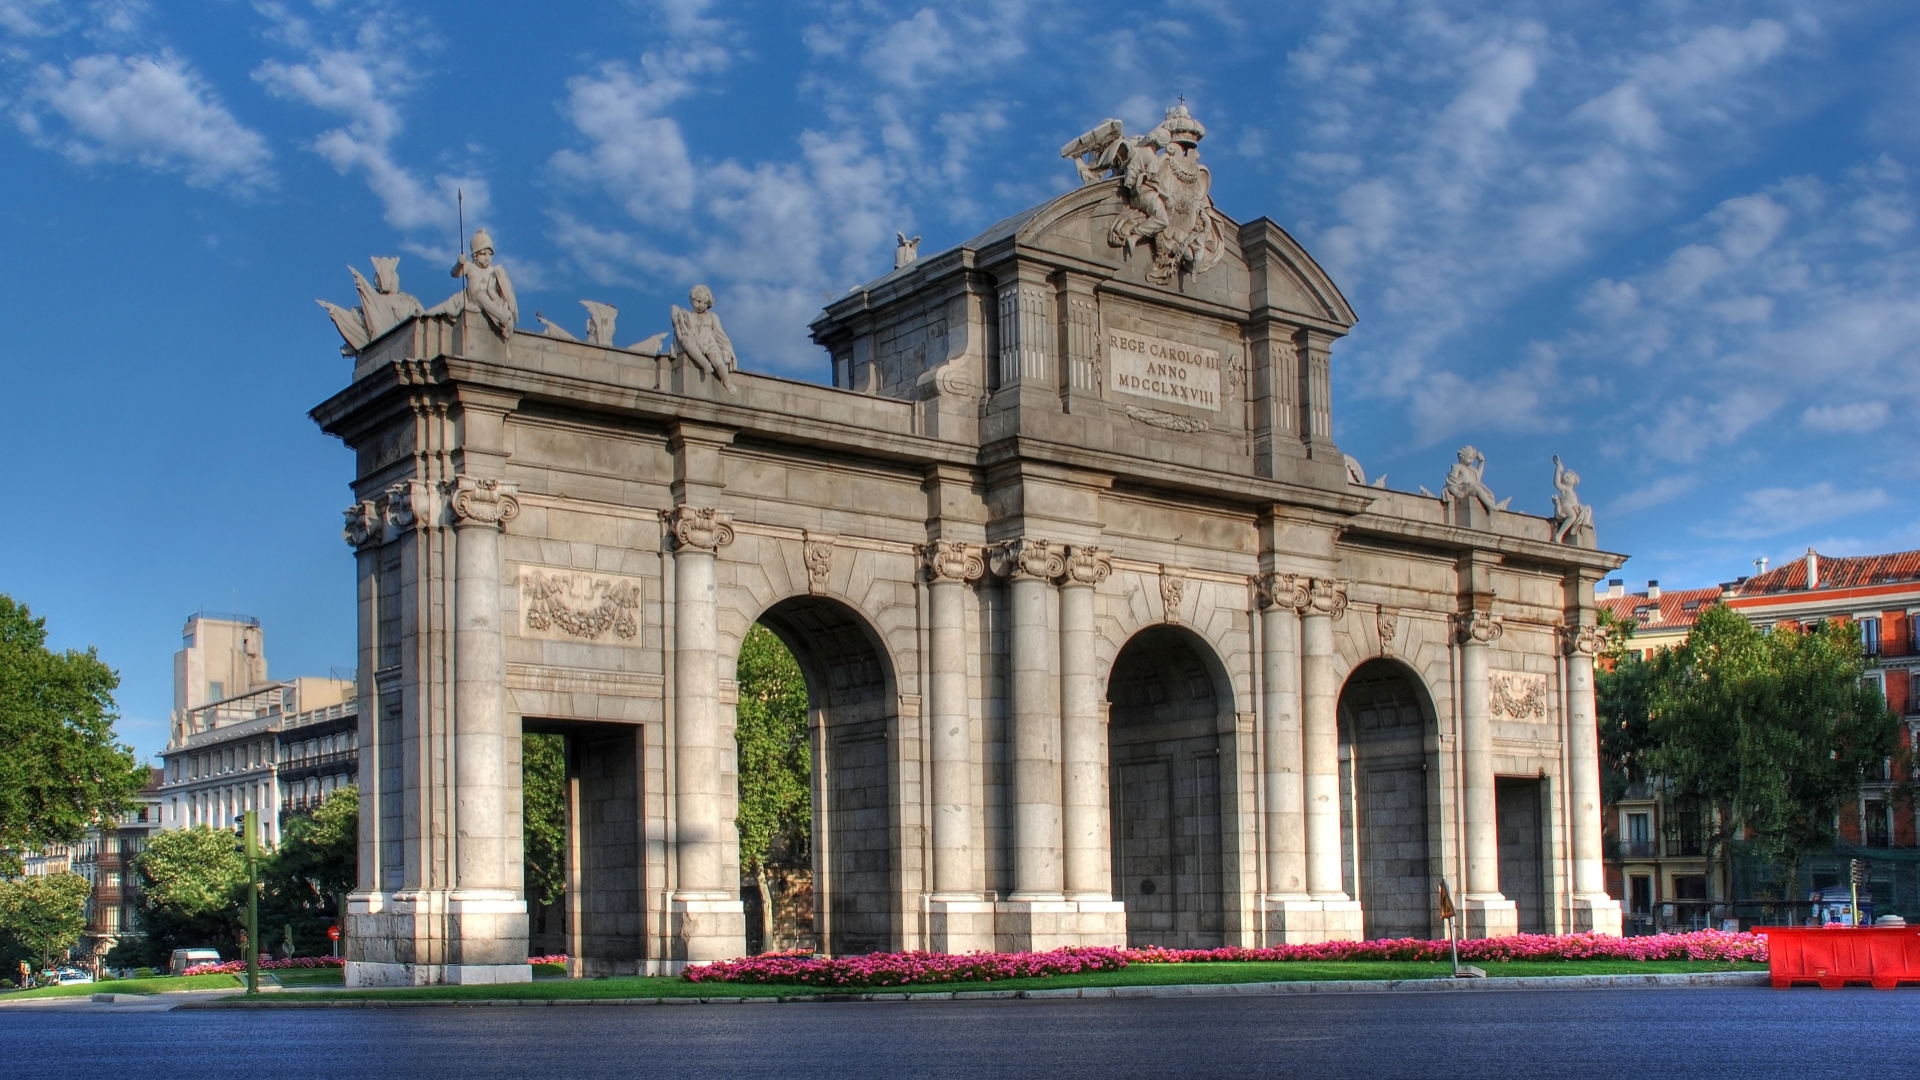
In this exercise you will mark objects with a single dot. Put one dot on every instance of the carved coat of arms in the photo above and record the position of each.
(1169, 205)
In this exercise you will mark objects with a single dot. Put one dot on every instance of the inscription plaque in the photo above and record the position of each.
(1162, 370)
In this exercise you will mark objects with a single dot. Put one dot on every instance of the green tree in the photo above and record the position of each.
(1767, 733)
(193, 885)
(62, 770)
(544, 805)
(304, 883)
(1623, 698)
(45, 914)
(776, 766)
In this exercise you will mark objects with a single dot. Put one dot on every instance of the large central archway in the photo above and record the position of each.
(1386, 844)
(851, 704)
(1168, 699)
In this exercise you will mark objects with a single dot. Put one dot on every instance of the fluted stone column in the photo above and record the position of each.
(1487, 912)
(1593, 910)
(1292, 916)
(961, 919)
(708, 919)
(1030, 566)
(1089, 871)
(487, 914)
(1320, 739)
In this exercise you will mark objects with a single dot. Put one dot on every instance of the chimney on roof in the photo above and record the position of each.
(1653, 590)
(1813, 570)
(1616, 588)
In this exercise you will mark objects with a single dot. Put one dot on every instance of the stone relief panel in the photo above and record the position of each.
(574, 605)
(1517, 695)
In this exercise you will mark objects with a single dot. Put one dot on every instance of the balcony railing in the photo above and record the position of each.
(1636, 849)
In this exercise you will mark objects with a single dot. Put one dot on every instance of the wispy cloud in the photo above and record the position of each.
(154, 110)
(361, 69)
(1771, 511)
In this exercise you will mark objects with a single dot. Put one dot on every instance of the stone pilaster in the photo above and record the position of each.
(1291, 914)
(1486, 912)
(708, 920)
(1325, 603)
(1593, 910)
(960, 917)
(486, 911)
(1089, 871)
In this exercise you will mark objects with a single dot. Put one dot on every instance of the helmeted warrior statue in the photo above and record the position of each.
(488, 290)
(698, 338)
(1167, 192)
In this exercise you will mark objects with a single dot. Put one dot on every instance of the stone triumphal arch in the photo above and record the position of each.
(1105, 639)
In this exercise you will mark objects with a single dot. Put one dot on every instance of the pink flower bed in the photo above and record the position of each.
(551, 958)
(239, 967)
(908, 968)
(918, 968)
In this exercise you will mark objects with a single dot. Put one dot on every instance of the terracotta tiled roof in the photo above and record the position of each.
(1850, 572)
(1675, 610)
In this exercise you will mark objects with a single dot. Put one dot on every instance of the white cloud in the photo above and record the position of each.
(152, 110)
(33, 18)
(1771, 511)
(1854, 417)
(363, 77)
(1661, 491)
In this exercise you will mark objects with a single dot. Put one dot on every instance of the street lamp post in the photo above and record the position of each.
(251, 824)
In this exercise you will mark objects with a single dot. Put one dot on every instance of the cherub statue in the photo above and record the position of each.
(488, 289)
(1464, 481)
(906, 252)
(698, 338)
(1570, 515)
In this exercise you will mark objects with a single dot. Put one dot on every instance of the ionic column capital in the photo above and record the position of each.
(1027, 559)
(1477, 627)
(403, 505)
(952, 561)
(485, 502)
(362, 524)
(699, 528)
(1323, 596)
(1278, 590)
(1582, 640)
(1087, 565)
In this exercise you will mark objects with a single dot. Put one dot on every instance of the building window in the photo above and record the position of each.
(1639, 842)
(1870, 636)
(216, 690)
(1875, 828)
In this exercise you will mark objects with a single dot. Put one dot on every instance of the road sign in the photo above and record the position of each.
(333, 933)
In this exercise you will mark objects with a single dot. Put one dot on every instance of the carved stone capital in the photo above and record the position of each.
(1386, 623)
(404, 505)
(1088, 565)
(484, 501)
(1582, 640)
(362, 524)
(1028, 558)
(1173, 589)
(702, 529)
(1326, 596)
(817, 552)
(1477, 627)
(950, 560)
(1276, 589)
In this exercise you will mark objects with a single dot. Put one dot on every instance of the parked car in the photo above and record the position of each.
(186, 958)
(67, 976)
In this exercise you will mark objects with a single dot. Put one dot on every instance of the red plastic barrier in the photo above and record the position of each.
(1833, 956)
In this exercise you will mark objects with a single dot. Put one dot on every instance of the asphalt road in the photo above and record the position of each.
(1637, 1034)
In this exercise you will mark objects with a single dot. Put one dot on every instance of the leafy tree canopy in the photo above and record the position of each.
(1767, 732)
(193, 884)
(45, 914)
(776, 767)
(62, 770)
(305, 882)
(543, 796)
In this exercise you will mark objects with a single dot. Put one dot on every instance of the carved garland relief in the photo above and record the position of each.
(1517, 695)
(580, 606)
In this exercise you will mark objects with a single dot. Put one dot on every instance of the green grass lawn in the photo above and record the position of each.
(131, 986)
(305, 977)
(1133, 975)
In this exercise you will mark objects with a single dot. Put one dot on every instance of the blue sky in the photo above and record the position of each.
(1673, 242)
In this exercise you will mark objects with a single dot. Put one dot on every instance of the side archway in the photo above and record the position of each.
(1386, 782)
(852, 712)
(1169, 703)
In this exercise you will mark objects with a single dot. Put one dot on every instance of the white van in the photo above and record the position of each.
(186, 958)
